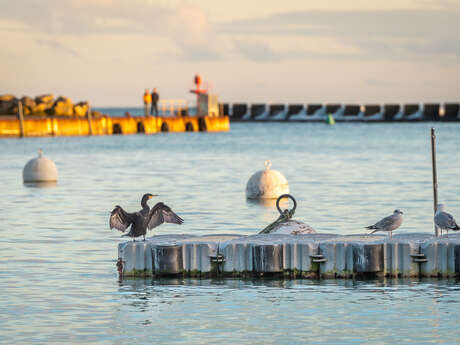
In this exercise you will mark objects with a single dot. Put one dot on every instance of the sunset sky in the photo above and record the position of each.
(109, 51)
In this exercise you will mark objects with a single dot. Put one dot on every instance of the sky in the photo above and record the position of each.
(108, 51)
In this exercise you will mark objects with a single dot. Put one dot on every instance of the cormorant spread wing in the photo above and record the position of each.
(120, 219)
(161, 213)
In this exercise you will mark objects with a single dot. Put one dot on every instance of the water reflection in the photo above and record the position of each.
(45, 184)
(330, 311)
(436, 286)
(268, 203)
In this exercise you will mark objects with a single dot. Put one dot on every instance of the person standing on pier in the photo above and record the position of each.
(155, 99)
(147, 100)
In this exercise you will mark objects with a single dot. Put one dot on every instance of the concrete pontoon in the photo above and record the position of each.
(290, 256)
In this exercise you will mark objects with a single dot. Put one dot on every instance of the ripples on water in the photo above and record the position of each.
(58, 280)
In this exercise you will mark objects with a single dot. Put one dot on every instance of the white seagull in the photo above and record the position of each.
(444, 220)
(389, 223)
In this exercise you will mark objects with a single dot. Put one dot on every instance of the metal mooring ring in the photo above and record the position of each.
(289, 196)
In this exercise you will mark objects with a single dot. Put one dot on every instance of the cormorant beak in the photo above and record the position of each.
(152, 195)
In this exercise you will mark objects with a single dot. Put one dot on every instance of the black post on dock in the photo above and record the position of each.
(90, 123)
(221, 109)
(21, 119)
(435, 176)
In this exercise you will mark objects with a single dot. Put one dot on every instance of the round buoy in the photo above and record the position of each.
(266, 184)
(40, 169)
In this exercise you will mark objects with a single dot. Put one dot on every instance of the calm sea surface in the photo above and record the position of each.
(58, 281)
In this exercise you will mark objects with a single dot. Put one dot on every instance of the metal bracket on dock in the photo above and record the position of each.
(318, 258)
(219, 260)
(419, 258)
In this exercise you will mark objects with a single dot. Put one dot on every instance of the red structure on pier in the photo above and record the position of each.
(198, 91)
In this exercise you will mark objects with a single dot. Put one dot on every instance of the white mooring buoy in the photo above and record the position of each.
(40, 169)
(266, 184)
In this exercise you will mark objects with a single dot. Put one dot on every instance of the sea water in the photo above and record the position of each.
(58, 280)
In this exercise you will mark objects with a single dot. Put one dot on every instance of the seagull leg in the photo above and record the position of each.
(144, 238)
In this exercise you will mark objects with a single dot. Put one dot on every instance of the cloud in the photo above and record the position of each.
(257, 51)
(187, 26)
(367, 34)
(58, 47)
(380, 83)
(428, 32)
(87, 17)
(192, 31)
(260, 51)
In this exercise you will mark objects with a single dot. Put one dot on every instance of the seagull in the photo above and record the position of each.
(389, 223)
(444, 220)
(142, 220)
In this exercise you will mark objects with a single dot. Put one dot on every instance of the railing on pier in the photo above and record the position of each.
(173, 107)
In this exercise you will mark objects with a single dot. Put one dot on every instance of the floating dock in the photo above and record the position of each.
(293, 256)
(10, 126)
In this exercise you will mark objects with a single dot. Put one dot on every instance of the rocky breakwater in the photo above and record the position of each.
(43, 105)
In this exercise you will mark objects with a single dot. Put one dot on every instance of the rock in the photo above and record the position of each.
(44, 103)
(8, 105)
(81, 108)
(41, 108)
(28, 102)
(62, 107)
(7, 98)
(49, 99)
(28, 105)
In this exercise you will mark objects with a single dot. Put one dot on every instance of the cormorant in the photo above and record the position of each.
(144, 219)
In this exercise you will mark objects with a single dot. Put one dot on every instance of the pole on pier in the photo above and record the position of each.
(435, 176)
(221, 109)
(90, 123)
(21, 119)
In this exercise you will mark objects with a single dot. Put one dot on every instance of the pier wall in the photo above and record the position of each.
(351, 110)
(257, 110)
(312, 108)
(431, 112)
(294, 109)
(343, 112)
(306, 256)
(105, 125)
(239, 110)
(372, 109)
(451, 112)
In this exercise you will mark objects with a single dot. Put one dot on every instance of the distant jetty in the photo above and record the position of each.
(315, 112)
(46, 116)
